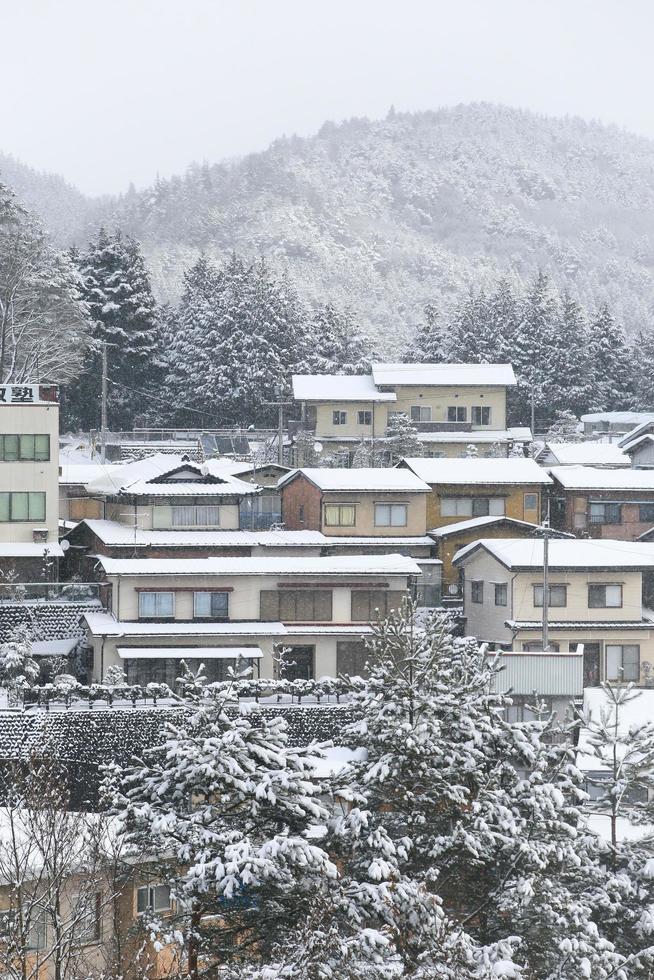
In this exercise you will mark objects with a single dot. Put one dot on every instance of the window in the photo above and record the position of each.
(457, 413)
(368, 605)
(477, 591)
(364, 418)
(296, 606)
(605, 513)
(472, 506)
(421, 413)
(530, 646)
(156, 605)
(340, 515)
(531, 501)
(37, 935)
(210, 605)
(481, 415)
(558, 595)
(604, 596)
(89, 918)
(22, 506)
(622, 662)
(15, 448)
(390, 515)
(155, 897)
(185, 515)
(501, 592)
(339, 418)
(646, 513)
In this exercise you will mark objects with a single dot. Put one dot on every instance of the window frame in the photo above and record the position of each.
(147, 593)
(530, 493)
(211, 616)
(339, 416)
(367, 416)
(89, 936)
(605, 506)
(391, 507)
(594, 586)
(621, 674)
(477, 591)
(12, 503)
(503, 588)
(538, 586)
(477, 413)
(151, 890)
(339, 507)
(645, 520)
(460, 413)
(18, 456)
(420, 413)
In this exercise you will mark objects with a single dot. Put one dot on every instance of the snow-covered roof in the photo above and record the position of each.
(450, 375)
(632, 714)
(490, 472)
(518, 434)
(30, 549)
(379, 480)
(54, 648)
(381, 541)
(618, 418)
(629, 447)
(338, 388)
(474, 523)
(189, 653)
(104, 624)
(83, 473)
(641, 429)
(593, 478)
(568, 553)
(296, 566)
(136, 479)
(122, 535)
(587, 454)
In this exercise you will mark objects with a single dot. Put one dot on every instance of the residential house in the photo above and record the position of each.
(451, 538)
(227, 610)
(75, 503)
(595, 599)
(603, 503)
(29, 472)
(604, 455)
(468, 488)
(638, 445)
(451, 406)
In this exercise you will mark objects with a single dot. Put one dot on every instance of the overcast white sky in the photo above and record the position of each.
(111, 91)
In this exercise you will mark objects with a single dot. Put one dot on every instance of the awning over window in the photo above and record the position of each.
(189, 653)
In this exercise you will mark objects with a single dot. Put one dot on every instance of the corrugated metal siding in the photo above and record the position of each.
(545, 673)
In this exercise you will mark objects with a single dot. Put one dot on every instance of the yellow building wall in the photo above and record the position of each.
(567, 637)
(364, 503)
(448, 547)
(27, 476)
(514, 502)
(577, 597)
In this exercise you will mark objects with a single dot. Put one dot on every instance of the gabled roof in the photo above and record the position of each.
(484, 472)
(339, 388)
(644, 427)
(475, 523)
(592, 478)
(455, 375)
(117, 535)
(143, 477)
(376, 479)
(297, 566)
(526, 553)
(629, 447)
(587, 454)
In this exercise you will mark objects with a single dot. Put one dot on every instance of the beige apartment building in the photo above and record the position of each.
(29, 477)
(223, 611)
(451, 406)
(595, 599)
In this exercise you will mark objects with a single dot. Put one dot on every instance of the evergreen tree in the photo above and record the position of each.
(484, 813)
(611, 365)
(570, 367)
(430, 344)
(534, 344)
(644, 369)
(400, 439)
(565, 428)
(469, 339)
(340, 346)
(116, 289)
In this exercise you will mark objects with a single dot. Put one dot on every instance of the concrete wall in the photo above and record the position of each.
(577, 596)
(33, 477)
(485, 620)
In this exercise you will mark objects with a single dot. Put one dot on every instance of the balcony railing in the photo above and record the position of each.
(546, 673)
(13, 592)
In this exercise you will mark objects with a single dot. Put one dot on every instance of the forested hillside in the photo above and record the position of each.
(387, 216)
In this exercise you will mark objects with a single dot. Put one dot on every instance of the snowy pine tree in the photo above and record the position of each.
(565, 428)
(431, 343)
(339, 345)
(611, 364)
(400, 439)
(116, 289)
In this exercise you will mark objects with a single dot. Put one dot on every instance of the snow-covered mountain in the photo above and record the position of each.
(386, 216)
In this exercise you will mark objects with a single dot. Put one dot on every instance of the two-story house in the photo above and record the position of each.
(29, 473)
(223, 610)
(451, 406)
(603, 503)
(595, 598)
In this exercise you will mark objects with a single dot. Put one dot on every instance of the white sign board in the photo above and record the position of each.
(28, 394)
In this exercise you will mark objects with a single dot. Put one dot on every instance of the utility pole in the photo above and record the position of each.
(103, 416)
(546, 580)
(281, 405)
